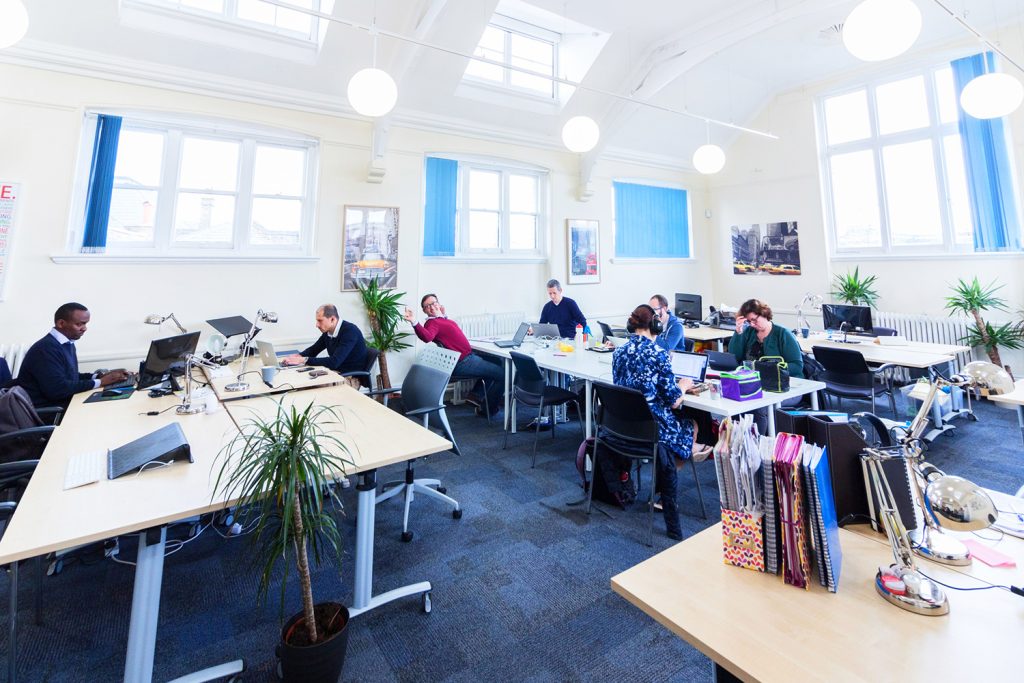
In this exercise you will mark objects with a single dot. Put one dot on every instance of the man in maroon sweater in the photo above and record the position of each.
(446, 333)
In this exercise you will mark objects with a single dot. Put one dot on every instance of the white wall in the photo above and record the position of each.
(41, 117)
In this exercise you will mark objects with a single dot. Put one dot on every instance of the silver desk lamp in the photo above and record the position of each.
(810, 302)
(187, 407)
(261, 316)
(156, 319)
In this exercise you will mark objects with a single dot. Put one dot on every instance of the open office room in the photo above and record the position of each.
(215, 158)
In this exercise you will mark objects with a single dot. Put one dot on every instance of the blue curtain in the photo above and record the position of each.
(651, 222)
(439, 212)
(994, 206)
(101, 183)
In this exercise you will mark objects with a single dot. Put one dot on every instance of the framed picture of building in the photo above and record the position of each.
(583, 248)
(370, 246)
(768, 249)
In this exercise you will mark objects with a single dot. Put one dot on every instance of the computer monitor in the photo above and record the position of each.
(166, 359)
(689, 307)
(857, 318)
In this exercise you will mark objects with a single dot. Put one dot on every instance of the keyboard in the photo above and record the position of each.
(130, 381)
(86, 468)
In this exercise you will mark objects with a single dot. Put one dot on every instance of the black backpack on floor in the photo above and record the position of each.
(613, 483)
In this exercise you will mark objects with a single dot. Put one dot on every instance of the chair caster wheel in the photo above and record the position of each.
(441, 489)
(406, 536)
(457, 514)
(426, 603)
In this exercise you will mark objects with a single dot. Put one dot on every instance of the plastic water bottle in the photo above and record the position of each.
(586, 335)
(579, 337)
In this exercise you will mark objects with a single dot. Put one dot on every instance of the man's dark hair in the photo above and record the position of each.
(662, 300)
(425, 297)
(329, 311)
(65, 311)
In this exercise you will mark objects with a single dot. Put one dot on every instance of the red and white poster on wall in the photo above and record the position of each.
(8, 204)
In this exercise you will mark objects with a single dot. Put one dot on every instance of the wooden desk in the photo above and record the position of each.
(760, 629)
(285, 380)
(703, 333)
(913, 355)
(1014, 399)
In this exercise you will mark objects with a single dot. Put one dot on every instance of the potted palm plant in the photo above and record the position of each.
(853, 289)
(971, 298)
(385, 314)
(280, 469)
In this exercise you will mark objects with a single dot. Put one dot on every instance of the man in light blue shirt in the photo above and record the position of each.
(672, 337)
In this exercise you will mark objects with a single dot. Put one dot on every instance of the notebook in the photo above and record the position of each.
(267, 354)
(693, 366)
(546, 330)
(516, 339)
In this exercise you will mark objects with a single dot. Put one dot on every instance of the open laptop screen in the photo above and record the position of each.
(692, 365)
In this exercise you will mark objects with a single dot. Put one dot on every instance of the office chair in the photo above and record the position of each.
(14, 477)
(28, 429)
(445, 359)
(5, 373)
(365, 375)
(625, 425)
(531, 388)
(847, 375)
(688, 345)
(722, 361)
(422, 398)
(885, 331)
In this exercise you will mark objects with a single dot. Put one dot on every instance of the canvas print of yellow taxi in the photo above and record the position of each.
(371, 246)
(766, 249)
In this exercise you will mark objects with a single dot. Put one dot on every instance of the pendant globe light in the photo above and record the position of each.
(372, 92)
(991, 96)
(580, 134)
(708, 158)
(881, 29)
(13, 22)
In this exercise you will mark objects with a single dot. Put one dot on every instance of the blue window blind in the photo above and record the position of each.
(994, 208)
(439, 212)
(101, 183)
(651, 222)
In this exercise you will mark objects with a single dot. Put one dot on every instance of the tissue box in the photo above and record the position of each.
(742, 384)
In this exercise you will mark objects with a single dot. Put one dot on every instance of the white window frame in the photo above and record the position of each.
(174, 132)
(230, 16)
(509, 26)
(935, 132)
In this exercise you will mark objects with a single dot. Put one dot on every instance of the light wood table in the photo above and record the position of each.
(49, 518)
(1014, 399)
(286, 379)
(913, 355)
(704, 333)
(759, 629)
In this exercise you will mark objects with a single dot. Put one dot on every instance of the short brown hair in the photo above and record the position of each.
(755, 306)
(662, 300)
(425, 297)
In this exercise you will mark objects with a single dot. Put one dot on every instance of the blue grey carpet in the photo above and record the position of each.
(521, 582)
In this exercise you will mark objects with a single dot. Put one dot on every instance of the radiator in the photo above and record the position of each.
(13, 354)
(490, 324)
(925, 328)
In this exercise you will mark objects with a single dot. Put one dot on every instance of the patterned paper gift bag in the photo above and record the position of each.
(742, 539)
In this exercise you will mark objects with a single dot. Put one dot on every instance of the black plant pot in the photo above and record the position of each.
(322, 661)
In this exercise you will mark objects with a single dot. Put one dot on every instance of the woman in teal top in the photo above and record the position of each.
(756, 336)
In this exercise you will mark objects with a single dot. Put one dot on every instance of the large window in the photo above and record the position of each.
(195, 188)
(521, 45)
(254, 14)
(894, 170)
(484, 209)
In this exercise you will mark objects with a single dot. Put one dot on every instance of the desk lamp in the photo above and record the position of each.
(156, 319)
(187, 407)
(811, 302)
(261, 316)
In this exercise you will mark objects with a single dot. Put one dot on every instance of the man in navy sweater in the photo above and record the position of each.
(346, 348)
(49, 372)
(561, 311)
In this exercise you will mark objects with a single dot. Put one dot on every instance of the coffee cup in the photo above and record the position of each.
(269, 372)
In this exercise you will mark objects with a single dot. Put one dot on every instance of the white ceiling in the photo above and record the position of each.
(723, 59)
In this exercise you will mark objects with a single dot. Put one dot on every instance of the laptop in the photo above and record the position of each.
(268, 355)
(546, 330)
(516, 340)
(691, 365)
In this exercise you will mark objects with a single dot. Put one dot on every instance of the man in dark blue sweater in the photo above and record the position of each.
(344, 343)
(49, 372)
(561, 311)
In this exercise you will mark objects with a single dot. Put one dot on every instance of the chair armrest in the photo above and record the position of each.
(381, 392)
(424, 411)
(51, 415)
(27, 433)
(355, 373)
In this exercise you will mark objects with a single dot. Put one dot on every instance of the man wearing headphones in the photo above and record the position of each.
(673, 336)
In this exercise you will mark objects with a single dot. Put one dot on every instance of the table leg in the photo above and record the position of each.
(588, 400)
(363, 599)
(1020, 420)
(814, 400)
(771, 420)
(508, 392)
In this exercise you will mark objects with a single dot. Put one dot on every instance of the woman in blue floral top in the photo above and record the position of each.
(642, 365)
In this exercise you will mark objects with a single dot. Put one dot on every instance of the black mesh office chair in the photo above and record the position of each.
(625, 425)
(688, 345)
(847, 375)
(722, 360)
(365, 375)
(14, 477)
(531, 388)
(422, 399)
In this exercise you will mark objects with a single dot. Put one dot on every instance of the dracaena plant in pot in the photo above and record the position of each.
(972, 298)
(280, 469)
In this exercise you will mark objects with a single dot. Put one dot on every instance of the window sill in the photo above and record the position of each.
(638, 261)
(483, 259)
(934, 256)
(107, 259)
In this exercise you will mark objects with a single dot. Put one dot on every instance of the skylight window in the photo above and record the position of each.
(518, 44)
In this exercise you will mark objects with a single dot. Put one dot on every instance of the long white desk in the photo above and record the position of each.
(286, 379)
(597, 367)
(913, 355)
(49, 518)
